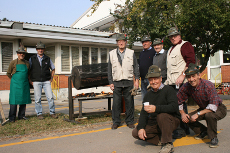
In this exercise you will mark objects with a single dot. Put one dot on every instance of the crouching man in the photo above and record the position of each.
(211, 108)
(160, 118)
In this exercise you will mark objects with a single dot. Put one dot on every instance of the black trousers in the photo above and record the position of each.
(13, 111)
(117, 105)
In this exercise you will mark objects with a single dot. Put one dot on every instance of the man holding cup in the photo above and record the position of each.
(160, 115)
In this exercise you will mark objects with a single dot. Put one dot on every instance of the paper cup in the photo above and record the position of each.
(146, 103)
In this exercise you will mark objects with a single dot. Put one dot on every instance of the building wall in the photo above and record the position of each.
(204, 74)
(4, 82)
(225, 70)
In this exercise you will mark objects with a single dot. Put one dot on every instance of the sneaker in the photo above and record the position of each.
(114, 126)
(202, 135)
(131, 126)
(40, 117)
(159, 143)
(54, 116)
(167, 148)
(214, 143)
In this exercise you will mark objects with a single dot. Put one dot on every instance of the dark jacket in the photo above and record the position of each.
(38, 73)
(145, 61)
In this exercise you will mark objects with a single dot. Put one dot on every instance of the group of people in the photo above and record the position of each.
(168, 79)
(38, 72)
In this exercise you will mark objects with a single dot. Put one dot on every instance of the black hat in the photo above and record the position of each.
(192, 69)
(145, 38)
(153, 72)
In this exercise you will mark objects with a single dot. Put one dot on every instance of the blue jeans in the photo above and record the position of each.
(49, 95)
(144, 85)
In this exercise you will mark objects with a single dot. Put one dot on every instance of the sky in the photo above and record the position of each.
(48, 12)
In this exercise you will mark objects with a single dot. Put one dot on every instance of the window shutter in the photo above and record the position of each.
(75, 56)
(103, 55)
(94, 55)
(65, 62)
(85, 55)
(7, 55)
(50, 51)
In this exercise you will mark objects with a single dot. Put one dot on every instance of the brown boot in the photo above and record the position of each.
(40, 117)
(54, 116)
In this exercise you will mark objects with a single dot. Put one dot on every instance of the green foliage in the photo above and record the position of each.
(203, 23)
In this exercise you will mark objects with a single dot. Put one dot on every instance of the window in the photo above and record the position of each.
(94, 55)
(85, 55)
(215, 60)
(50, 51)
(75, 56)
(65, 62)
(226, 57)
(7, 55)
(103, 55)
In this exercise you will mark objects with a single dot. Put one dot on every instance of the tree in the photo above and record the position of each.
(203, 23)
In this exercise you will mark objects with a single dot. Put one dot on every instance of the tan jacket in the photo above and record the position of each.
(175, 64)
(124, 72)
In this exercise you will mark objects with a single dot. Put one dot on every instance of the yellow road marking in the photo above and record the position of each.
(189, 140)
(50, 138)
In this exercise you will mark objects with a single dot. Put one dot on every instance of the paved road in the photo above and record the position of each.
(105, 140)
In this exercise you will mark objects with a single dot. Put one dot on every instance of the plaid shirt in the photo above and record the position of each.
(204, 95)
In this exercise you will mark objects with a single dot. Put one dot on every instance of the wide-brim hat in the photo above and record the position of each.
(40, 45)
(173, 31)
(146, 38)
(153, 72)
(157, 41)
(192, 69)
(121, 37)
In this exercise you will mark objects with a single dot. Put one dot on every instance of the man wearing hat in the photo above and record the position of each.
(179, 56)
(210, 105)
(160, 115)
(160, 57)
(18, 72)
(42, 72)
(145, 61)
(123, 74)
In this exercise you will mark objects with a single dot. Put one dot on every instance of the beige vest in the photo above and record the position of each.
(175, 64)
(124, 72)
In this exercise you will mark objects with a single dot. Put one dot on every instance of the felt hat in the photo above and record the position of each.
(153, 72)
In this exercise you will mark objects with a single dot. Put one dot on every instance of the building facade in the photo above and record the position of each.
(67, 47)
